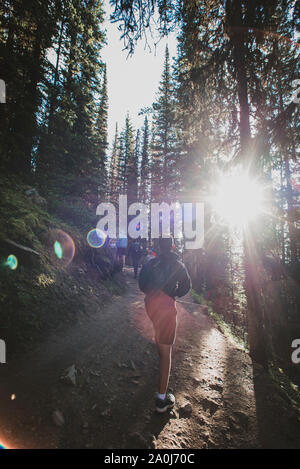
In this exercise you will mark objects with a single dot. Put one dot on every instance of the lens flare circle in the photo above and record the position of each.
(62, 247)
(96, 238)
(58, 249)
(12, 262)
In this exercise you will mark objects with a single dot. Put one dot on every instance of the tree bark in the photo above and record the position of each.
(238, 35)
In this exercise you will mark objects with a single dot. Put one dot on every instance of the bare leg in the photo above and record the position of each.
(164, 366)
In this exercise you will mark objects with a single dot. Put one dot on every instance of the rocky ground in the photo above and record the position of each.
(92, 386)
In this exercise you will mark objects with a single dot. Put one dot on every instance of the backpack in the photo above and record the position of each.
(160, 274)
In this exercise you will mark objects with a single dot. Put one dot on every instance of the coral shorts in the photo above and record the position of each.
(163, 314)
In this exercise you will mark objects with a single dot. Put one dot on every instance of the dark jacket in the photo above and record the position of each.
(135, 251)
(165, 273)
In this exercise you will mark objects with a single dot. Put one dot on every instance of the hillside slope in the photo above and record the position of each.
(49, 275)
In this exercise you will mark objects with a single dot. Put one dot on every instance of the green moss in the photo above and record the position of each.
(285, 386)
(229, 331)
(197, 298)
(226, 328)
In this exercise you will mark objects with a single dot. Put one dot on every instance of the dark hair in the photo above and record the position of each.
(165, 244)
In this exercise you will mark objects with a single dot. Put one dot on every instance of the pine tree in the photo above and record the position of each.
(101, 139)
(144, 192)
(25, 37)
(164, 145)
(114, 172)
(73, 159)
(131, 152)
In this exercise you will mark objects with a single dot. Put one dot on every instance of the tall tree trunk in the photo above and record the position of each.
(282, 221)
(7, 66)
(291, 216)
(242, 91)
(291, 210)
(33, 93)
(54, 96)
(45, 144)
(256, 334)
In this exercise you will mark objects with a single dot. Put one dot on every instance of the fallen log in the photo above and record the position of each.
(20, 246)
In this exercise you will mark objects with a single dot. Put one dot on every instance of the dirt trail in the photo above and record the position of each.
(219, 402)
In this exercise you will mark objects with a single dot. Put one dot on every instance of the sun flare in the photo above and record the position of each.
(238, 199)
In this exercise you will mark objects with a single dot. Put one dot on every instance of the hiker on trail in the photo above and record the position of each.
(135, 251)
(163, 279)
(150, 255)
(122, 250)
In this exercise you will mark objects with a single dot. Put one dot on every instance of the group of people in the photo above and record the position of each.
(136, 252)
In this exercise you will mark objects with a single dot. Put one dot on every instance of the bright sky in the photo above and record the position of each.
(132, 81)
